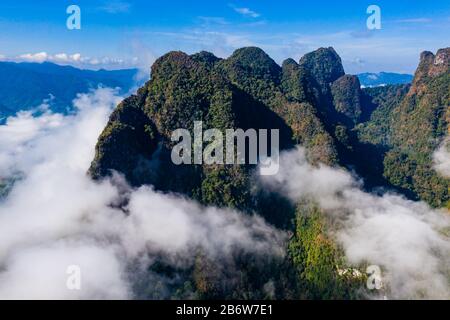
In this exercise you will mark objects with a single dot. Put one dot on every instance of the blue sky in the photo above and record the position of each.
(123, 33)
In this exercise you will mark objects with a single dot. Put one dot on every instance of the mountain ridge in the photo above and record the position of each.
(53, 82)
(324, 108)
(382, 134)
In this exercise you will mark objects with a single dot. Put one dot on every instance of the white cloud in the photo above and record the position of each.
(441, 158)
(404, 237)
(40, 273)
(75, 59)
(115, 6)
(143, 58)
(56, 216)
(415, 20)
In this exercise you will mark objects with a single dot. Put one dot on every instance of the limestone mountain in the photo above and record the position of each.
(412, 124)
(386, 135)
(370, 80)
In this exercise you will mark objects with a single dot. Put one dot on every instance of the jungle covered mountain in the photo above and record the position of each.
(385, 134)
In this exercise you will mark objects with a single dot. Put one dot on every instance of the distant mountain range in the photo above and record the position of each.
(26, 85)
(383, 78)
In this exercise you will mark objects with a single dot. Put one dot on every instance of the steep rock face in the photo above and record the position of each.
(347, 94)
(294, 81)
(127, 143)
(407, 124)
(335, 97)
(419, 125)
(372, 80)
(430, 66)
(312, 103)
(379, 103)
(247, 90)
(254, 72)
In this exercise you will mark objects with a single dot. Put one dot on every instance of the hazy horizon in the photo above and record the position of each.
(122, 34)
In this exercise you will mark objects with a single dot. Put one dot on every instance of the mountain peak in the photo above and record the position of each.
(250, 51)
(431, 66)
(205, 57)
(252, 62)
(324, 64)
(289, 62)
(442, 58)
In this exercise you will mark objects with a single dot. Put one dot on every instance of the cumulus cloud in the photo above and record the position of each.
(415, 20)
(55, 216)
(407, 239)
(76, 59)
(41, 273)
(64, 57)
(441, 158)
(34, 57)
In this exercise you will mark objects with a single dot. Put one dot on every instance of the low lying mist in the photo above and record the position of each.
(406, 239)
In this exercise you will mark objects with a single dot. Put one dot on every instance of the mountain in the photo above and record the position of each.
(413, 123)
(386, 135)
(27, 85)
(383, 79)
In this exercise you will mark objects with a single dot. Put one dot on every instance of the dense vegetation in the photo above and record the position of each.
(386, 134)
(383, 79)
(410, 123)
